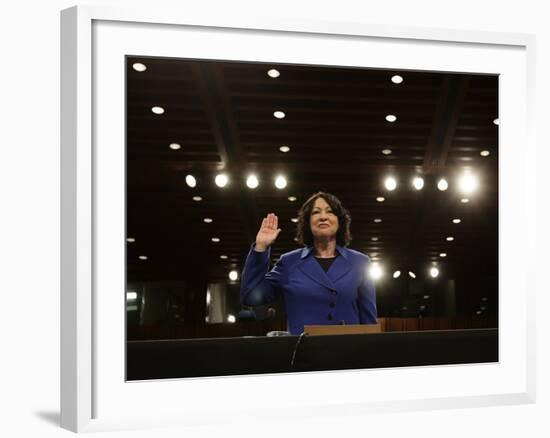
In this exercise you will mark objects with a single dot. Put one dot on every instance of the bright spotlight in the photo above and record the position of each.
(442, 184)
(412, 274)
(468, 183)
(390, 183)
(131, 296)
(221, 180)
(418, 182)
(252, 182)
(396, 274)
(231, 318)
(434, 272)
(280, 182)
(233, 275)
(190, 181)
(375, 271)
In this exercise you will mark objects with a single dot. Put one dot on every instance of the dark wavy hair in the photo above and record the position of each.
(303, 229)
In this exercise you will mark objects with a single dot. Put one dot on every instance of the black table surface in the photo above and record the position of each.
(259, 355)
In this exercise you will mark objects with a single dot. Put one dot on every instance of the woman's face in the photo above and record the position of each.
(323, 221)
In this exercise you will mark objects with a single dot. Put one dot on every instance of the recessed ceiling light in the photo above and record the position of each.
(479, 312)
(233, 275)
(221, 179)
(284, 148)
(412, 274)
(175, 146)
(464, 200)
(252, 181)
(391, 118)
(434, 272)
(386, 151)
(396, 79)
(223, 257)
(485, 153)
(190, 181)
(279, 114)
(442, 184)
(131, 296)
(231, 318)
(292, 198)
(158, 110)
(197, 198)
(450, 239)
(130, 239)
(496, 122)
(273, 73)
(426, 297)
(208, 220)
(468, 183)
(456, 221)
(138, 66)
(418, 182)
(377, 220)
(443, 254)
(390, 183)
(374, 239)
(215, 239)
(280, 182)
(375, 271)
(294, 219)
(396, 274)
(380, 199)
(142, 257)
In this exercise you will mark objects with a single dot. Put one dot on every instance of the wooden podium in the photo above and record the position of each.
(352, 329)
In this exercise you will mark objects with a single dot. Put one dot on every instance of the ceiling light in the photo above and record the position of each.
(377, 220)
(386, 151)
(456, 221)
(231, 318)
(284, 148)
(130, 239)
(380, 199)
(223, 257)
(397, 79)
(138, 66)
(443, 254)
(279, 114)
(464, 200)
(215, 239)
(450, 238)
(294, 219)
(292, 198)
(468, 183)
(374, 239)
(273, 73)
(434, 272)
(190, 181)
(175, 146)
(442, 184)
(142, 257)
(375, 271)
(158, 110)
(221, 180)
(197, 198)
(412, 274)
(496, 122)
(233, 275)
(280, 182)
(207, 220)
(130, 296)
(396, 274)
(484, 153)
(426, 297)
(391, 118)
(390, 183)
(479, 312)
(418, 182)
(252, 182)
(483, 298)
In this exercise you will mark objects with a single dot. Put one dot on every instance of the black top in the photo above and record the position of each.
(326, 262)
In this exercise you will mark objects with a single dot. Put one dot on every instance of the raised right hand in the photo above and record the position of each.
(268, 232)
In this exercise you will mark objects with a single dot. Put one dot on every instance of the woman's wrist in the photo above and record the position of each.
(260, 247)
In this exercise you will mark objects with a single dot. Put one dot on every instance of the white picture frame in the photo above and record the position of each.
(93, 395)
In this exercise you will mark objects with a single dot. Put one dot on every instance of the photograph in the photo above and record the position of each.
(286, 217)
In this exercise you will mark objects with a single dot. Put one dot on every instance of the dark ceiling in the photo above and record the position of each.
(221, 113)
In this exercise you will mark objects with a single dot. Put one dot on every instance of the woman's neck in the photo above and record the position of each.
(324, 248)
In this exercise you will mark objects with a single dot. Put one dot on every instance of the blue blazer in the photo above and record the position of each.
(311, 295)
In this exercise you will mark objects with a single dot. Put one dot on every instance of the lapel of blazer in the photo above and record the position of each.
(311, 267)
(341, 266)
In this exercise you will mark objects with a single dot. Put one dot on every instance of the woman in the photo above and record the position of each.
(322, 283)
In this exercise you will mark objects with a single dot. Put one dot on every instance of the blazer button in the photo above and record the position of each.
(329, 317)
(332, 305)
